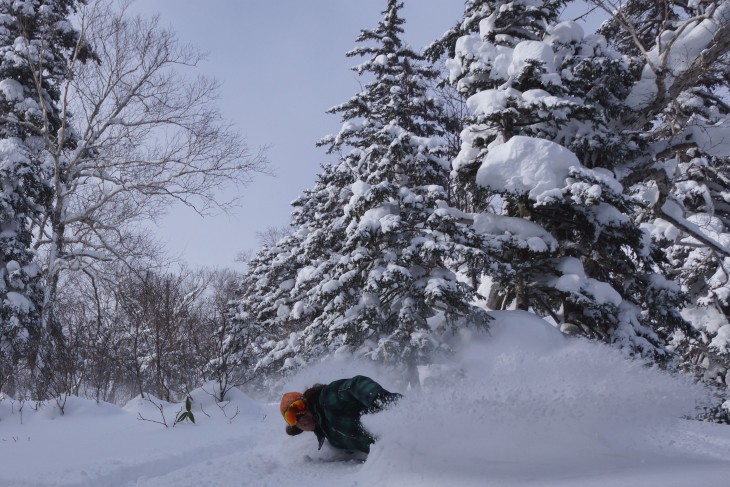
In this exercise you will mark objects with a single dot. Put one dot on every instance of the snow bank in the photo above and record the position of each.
(100, 444)
(527, 395)
(521, 406)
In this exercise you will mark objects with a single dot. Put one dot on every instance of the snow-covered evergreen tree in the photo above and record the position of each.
(543, 99)
(36, 40)
(680, 105)
(265, 315)
(373, 264)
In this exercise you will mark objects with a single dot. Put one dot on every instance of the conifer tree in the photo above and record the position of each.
(372, 264)
(36, 40)
(680, 107)
(268, 320)
(540, 136)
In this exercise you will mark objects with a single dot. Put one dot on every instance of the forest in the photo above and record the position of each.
(518, 163)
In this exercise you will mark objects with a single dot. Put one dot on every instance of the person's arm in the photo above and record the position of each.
(383, 400)
(368, 393)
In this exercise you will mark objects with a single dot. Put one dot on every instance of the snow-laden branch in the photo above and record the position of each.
(680, 57)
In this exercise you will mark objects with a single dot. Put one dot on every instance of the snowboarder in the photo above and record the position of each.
(333, 411)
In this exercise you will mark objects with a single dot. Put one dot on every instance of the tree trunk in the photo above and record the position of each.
(522, 299)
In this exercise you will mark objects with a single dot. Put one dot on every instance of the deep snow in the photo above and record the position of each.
(522, 406)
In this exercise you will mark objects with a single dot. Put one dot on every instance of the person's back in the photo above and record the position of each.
(333, 411)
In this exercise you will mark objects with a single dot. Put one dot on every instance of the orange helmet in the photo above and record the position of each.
(289, 398)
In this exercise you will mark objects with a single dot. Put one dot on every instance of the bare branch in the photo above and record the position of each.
(145, 135)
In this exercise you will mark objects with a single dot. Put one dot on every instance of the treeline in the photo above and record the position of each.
(518, 162)
(580, 176)
(102, 129)
(157, 333)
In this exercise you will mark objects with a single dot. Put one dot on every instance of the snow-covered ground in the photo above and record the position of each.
(524, 406)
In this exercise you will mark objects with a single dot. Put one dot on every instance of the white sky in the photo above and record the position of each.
(282, 64)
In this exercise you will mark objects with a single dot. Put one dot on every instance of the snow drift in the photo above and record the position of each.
(522, 405)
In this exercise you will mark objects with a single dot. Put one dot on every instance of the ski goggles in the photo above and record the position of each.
(294, 410)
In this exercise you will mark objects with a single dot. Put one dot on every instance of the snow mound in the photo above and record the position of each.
(527, 394)
(521, 406)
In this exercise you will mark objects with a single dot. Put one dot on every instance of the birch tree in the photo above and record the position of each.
(149, 135)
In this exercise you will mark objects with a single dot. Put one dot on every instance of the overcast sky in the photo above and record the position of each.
(282, 65)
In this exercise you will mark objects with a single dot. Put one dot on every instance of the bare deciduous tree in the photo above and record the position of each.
(266, 238)
(226, 370)
(139, 133)
(163, 322)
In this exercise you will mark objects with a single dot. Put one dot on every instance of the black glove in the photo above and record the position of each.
(384, 400)
(293, 430)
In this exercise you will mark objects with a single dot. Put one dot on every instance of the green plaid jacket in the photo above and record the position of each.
(338, 409)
